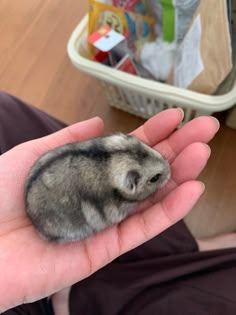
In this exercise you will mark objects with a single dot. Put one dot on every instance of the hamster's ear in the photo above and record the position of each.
(131, 181)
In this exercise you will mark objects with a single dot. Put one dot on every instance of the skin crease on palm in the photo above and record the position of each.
(34, 268)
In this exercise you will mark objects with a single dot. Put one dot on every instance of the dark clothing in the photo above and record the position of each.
(165, 276)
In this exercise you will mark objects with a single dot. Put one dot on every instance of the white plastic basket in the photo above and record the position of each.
(143, 97)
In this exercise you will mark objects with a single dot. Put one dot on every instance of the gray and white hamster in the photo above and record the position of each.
(80, 188)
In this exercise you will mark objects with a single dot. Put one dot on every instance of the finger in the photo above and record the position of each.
(190, 162)
(187, 166)
(78, 132)
(160, 126)
(145, 225)
(201, 129)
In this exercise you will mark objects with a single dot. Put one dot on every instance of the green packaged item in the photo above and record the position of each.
(176, 17)
(168, 21)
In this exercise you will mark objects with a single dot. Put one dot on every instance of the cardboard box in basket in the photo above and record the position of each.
(204, 58)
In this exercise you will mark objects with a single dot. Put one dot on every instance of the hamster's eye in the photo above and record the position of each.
(155, 178)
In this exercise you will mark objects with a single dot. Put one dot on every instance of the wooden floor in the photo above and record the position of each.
(35, 67)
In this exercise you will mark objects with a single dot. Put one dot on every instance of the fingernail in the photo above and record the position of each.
(98, 119)
(217, 121)
(209, 150)
(203, 186)
(94, 118)
(181, 111)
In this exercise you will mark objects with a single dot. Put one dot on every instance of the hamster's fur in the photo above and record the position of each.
(80, 188)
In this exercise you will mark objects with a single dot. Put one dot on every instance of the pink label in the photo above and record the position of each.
(126, 4)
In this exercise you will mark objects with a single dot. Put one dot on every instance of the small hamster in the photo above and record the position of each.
(80, 188)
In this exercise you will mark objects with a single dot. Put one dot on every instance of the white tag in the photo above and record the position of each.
(105, 39)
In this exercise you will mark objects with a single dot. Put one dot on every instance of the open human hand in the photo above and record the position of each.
(32, 268)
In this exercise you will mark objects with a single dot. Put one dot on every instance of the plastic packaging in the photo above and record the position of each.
(158, 58)
(136, 28)
(177, 16)
(137, 6)
(184, 12)
(154, 9)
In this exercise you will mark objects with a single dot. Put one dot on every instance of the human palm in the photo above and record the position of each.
(32, 268)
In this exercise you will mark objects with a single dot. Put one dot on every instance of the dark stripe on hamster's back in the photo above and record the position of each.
(139, 155)
(95, 152)
(137, 152)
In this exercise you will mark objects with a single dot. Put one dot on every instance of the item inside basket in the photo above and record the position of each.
(168, 41)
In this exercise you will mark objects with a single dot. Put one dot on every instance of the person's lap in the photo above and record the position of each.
(21, 122)
(168, 267)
